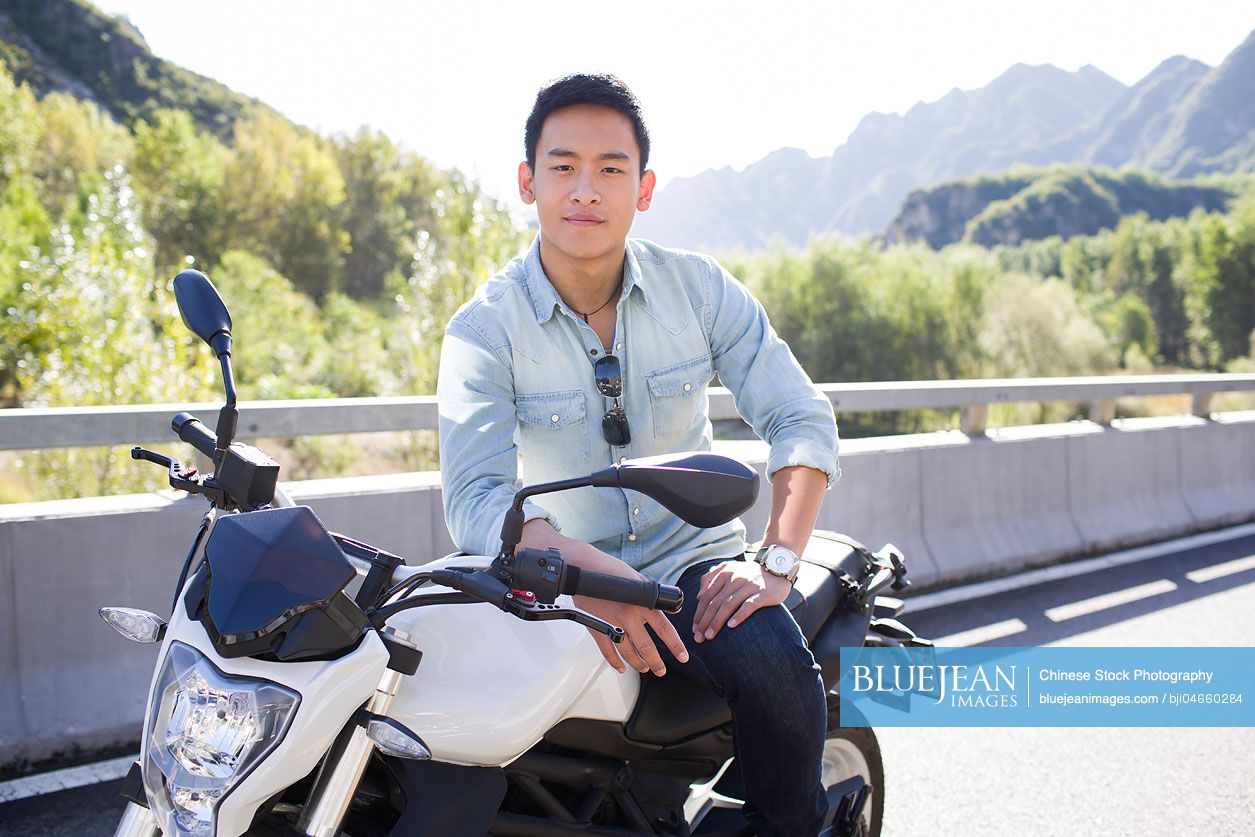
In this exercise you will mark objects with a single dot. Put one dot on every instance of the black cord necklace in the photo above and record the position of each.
(618, 286)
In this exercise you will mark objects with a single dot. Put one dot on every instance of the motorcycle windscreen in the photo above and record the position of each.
(267, 568)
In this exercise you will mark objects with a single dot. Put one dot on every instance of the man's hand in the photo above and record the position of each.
(637, 648)
(730, 592)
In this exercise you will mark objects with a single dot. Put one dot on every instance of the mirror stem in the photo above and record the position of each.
(229, 416)
(512, 526)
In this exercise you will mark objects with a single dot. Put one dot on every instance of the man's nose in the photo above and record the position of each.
(583, 191)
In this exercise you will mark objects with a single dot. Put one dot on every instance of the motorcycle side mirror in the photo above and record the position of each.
(204, 313)
(702, 489)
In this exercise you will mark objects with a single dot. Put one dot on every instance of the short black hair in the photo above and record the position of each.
(598, 89)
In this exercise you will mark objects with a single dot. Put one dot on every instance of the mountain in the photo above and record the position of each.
(1214, 127)
(1031, 204)
(1183, 119)
(1128, 132)
(789, 195)
(71, 47)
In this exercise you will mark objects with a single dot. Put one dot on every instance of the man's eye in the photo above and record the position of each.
(563, 167)
(612, 170)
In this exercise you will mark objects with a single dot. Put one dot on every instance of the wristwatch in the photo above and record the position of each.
(779, 560)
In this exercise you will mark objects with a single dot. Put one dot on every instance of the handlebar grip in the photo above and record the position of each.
(189, 429)
(644, 593)
(670, 599)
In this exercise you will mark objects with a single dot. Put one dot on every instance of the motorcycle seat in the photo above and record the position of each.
(673, 709)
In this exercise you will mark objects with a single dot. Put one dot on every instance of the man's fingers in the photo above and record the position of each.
(628, 651)
(712, 583)
(606, 647)
(645, 648)
(736, 588)
(743, 612)
(726, 608)
(667, 633)
(709, 598)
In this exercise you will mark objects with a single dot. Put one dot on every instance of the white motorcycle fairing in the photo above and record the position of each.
(330, 692)
(491, 685)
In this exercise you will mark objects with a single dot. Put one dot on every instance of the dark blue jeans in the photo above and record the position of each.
(770, 680)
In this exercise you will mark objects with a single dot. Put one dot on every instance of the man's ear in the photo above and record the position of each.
(647, 190)
(525, 183)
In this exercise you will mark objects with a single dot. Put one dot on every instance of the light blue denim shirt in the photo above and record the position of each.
(516, 389)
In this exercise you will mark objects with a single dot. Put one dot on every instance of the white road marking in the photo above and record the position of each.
(1221, 570)
(1116, 598)
(984, 633)
(66, 779)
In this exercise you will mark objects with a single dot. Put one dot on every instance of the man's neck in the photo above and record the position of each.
(583, 284)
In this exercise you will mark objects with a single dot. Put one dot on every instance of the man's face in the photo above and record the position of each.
(587, 184)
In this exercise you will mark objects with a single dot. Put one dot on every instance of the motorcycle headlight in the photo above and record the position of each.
(206, 732)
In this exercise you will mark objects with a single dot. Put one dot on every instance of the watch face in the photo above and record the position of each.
(780, 561)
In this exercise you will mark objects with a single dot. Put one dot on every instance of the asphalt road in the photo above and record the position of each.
(1010, 781)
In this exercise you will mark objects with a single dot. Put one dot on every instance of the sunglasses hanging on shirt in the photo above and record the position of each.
(614, 424)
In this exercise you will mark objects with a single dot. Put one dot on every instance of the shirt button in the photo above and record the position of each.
(554, 418)
(688, 387)
(618, 347)
(636, 511)
(632, 536)
(622, 459)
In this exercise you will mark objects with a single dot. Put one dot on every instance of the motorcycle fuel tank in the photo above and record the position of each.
(491, 685)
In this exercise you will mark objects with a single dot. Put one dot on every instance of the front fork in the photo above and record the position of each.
(343, 768)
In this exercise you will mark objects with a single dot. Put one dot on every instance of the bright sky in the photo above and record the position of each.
(722, 83)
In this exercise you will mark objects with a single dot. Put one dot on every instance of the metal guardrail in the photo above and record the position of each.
(60, 427)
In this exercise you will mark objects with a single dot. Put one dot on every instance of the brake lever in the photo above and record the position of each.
(541, 612)
(184, 479)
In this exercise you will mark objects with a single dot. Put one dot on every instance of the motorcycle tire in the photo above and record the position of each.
(850, 751)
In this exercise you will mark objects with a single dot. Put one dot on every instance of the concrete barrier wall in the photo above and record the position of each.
(959, 507)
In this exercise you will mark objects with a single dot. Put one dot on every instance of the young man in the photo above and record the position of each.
(592, 348)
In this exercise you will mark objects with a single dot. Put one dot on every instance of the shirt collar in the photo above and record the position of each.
(544, 297)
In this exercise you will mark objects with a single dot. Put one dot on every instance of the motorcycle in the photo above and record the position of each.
(311, 684)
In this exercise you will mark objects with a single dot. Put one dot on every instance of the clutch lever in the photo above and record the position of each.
(184, 479)
(541, 612)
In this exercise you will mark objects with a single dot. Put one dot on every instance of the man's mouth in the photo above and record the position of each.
(584, 220)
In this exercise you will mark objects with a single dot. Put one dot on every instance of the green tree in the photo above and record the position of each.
(473, 236)
(178, 174)
(280, 347)
(1227, 278)
(24, 226)
(77, 145)
(19, 128)
(282, 195)
(1035, 329)
(381, 216)
(93, 326)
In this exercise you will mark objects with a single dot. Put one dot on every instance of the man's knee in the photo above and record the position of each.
(764, 654)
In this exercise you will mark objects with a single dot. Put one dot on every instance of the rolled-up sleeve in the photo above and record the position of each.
(771, 390)
(478, 454)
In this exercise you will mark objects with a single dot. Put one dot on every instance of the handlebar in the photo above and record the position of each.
(189, 428)
(644, 593)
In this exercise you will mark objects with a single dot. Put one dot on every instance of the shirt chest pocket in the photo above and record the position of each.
(553, 425)
(676, 394)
